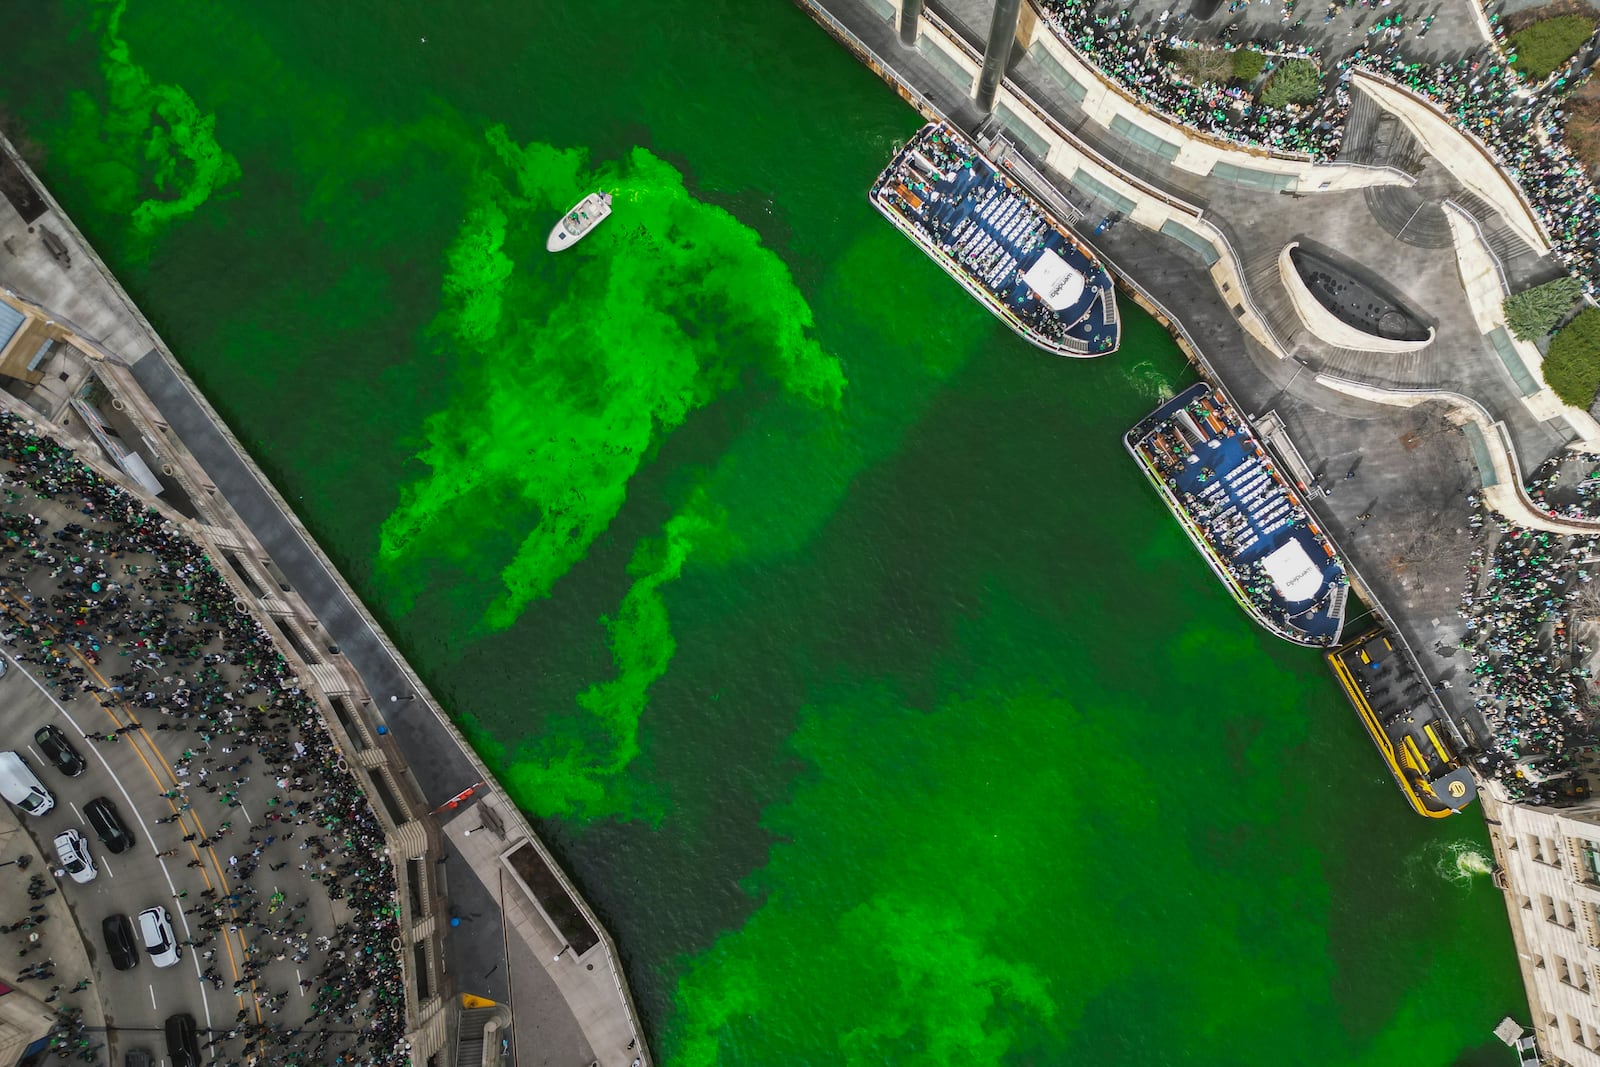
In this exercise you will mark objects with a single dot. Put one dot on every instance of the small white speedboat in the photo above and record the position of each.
(590, 212)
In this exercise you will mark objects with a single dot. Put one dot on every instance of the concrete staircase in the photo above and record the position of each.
(469, 1036)
(1271, 298)
(1502, 239)
(1400, 370)
(1374, 137)
(1360, 129)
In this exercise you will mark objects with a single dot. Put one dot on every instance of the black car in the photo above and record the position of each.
(118, 932)
(55, 745)
(112, 831)
(138, 1057)
(182, 1044)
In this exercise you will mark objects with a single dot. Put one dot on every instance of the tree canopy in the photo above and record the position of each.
(1545, 47)
(1533, 313)
(1573, 366)
(1298, 81)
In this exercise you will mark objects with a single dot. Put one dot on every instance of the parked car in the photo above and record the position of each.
(20, 786)
(108, 825)
(118, 932)
(156, 930)
(72, 850)
(182, 1044)
(138, 1057)
(54, 744)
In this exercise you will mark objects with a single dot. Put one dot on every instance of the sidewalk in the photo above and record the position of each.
(548, 968)
(43, 957)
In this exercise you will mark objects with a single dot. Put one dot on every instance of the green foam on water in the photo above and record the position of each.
(158, 123)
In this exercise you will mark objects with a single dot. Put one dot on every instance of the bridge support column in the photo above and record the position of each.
(910, 22)
(997, 52)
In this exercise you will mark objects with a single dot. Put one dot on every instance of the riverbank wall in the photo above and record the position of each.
(110, 386)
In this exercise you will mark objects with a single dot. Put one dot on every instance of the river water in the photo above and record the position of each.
(842, 652)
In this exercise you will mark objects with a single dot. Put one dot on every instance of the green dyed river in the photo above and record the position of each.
(863, 683)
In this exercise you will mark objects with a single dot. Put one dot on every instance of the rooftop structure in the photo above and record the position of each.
(1243, 515)
(1548, 863)
(1000, 243)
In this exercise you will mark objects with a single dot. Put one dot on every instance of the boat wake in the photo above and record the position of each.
(1148, 381)
(1459, 862)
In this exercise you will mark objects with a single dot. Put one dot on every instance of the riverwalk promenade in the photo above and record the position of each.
(1205, 224)
(1393, 441)
(503, 960)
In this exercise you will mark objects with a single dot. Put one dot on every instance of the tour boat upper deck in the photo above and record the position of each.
(1243, 515)
(1000, 243)
(1406, 722)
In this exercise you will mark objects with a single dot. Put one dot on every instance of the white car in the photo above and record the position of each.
(72, 850)
(159, 940)
(20, 786)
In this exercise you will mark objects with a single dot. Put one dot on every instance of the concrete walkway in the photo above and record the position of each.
(1502, 482)
(432, 752)
(546, 975)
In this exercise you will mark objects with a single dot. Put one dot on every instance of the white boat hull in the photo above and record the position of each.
(578, 223)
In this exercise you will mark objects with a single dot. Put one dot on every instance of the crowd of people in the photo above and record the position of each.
(1568, 486)
(1530, 682)
(1109, 37)
(1480, 93)
(119, 606)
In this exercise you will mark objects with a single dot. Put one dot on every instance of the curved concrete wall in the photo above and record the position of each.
(1325, 324)
(1461, 154)
(1106, 100)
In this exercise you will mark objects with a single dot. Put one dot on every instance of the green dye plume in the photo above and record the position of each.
(904, 951)
(160, 124)
(578, 364)
(555, 774)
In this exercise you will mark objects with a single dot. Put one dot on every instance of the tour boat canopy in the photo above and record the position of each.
(1296, 577)
(1057, 284)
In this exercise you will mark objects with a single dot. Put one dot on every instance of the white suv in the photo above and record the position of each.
(159, 940)
(73, 852)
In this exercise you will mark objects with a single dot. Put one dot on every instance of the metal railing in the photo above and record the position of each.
(1471, 138)
(1499, 268)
